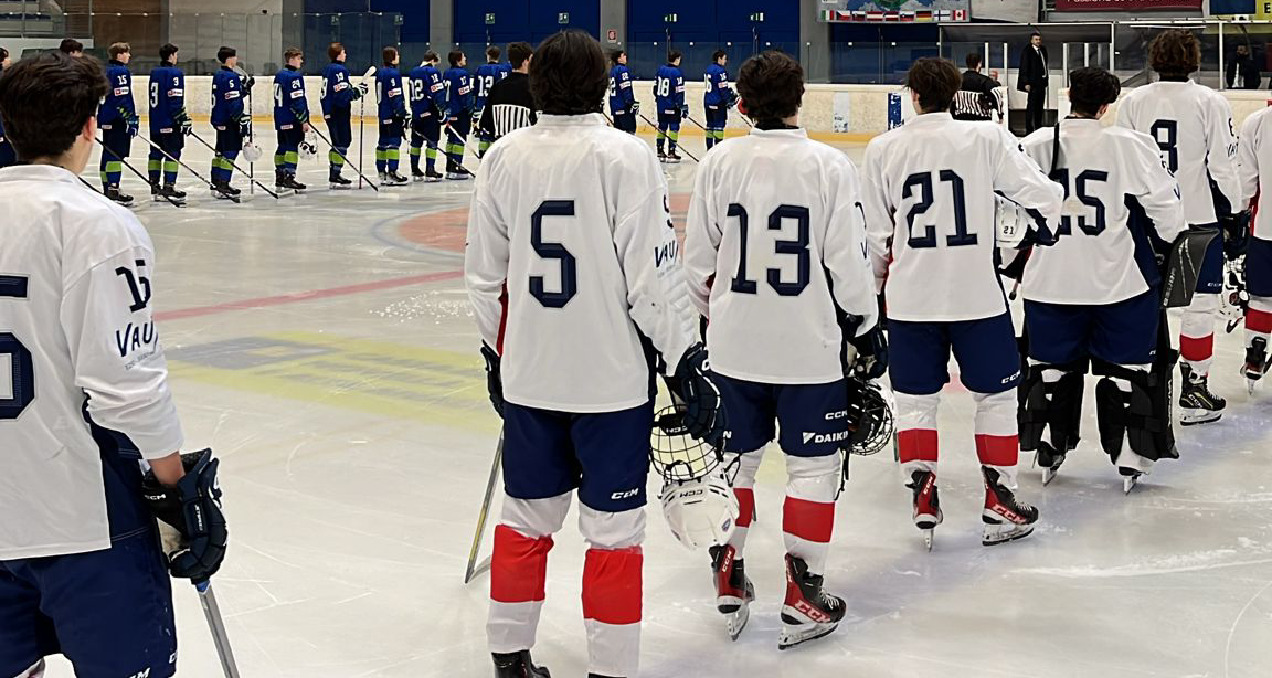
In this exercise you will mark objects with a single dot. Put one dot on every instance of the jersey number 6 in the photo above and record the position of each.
(16, 356)
(553, 250)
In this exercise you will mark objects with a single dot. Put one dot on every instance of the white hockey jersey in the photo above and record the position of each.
(1192, 125)
(1094, 260)
(1255, 169)
(775, 240)
(570, 220)
(76, 275)
(930, 221)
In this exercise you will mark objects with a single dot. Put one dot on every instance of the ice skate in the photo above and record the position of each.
(280, 182)
(1197, 404)
(672, 157)
(112, 193)
(927, 505)
(734, 592)
(223, 191)
(433, 176)
(662, 156)
(339, 183)
(395, 179)
(417, 174)
(1130, 478)
(1256, 363)
(289, 182)
(167, 194)
(809, 612)
(518, 665)
(1050, 460)
(457, 176)
(1006, 518)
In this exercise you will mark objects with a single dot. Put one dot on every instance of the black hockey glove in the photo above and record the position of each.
(635, 108)
(245, 126)
(400, 120)
(494, 379)
(692, 389)
(191, 524)
(184, 122)
(684, 111)
(1236, 234)
(249, 83)
(872, 354)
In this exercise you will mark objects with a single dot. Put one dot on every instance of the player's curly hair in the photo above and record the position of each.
(771, 85)
(568, 74)
(1175, 53)
(1091, 88)
(936, 81)
(45, 101)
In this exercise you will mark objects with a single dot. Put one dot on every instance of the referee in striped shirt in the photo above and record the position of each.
(510, 105)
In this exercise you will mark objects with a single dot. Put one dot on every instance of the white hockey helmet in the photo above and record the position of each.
(701, 512)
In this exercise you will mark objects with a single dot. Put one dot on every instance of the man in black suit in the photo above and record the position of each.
(1033, 80)
(1243, 72)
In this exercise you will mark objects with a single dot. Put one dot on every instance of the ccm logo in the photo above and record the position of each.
(832, 416)
(625, 494)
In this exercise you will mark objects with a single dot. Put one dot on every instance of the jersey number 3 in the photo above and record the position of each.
(553, 250)
(16, 356)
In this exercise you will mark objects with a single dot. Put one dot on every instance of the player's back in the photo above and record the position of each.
(335, 80)
(1103, 253)
(487, 75)
(227, 97)
(119, 97)
(717, 78)
(620, 86)
(929, 187)
(784, 216)
(1192, 126)
(388, 89)
(458, 87)
(574, 197)
(668, 84)
(167, 94)
(1256, 170)
(289, 97)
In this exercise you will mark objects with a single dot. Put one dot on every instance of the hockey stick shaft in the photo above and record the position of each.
(450, 132)
(651, 123)
(362, 111)
(216, 624)
(169, 156)
(345, 158)
(474, 568)
(240, 169)
(134, 171)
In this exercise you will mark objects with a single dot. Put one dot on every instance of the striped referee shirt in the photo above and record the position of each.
(509, 106)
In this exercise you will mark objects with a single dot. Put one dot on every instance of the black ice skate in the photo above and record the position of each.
(734, 592)
(290, 183)
(1130, 478)
(672, 157)
(280, 182)
(1050, 460)
(392, 178)
(112, 193)
(457, 176)
(417, 174)
(927, 505)
(167, 194)
(223, 191)
(171, 190)
(1006, 518)
(662, 156)
(518, 665)
(1197, 404)
(339, 183)
(809, 612)
(433, 176)
(1256, 363)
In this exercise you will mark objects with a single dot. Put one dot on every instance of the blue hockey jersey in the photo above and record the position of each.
(487, 75)
(621, 95)
(458, 89)
(669, 89)
(227, 98)
(426, 89)
(119, 106)
(167, 99)
(338, 91)
(718, 92)
(388, 89)
(291, 109)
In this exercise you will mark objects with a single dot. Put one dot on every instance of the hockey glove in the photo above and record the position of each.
(494, 381)
(402, 121)
(191, 524)
(362, 88)
(684, 111)
(635, 108)
(184, 122)
(1235, 229)
(872, 354)
(245, 126)
(693, 390)
(134, 125)
(249, 83)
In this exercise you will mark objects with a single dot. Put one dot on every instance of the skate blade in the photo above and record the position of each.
(341, 187)
(795, 635)
(1129, 483)
(736, 621)
(1191, 417)
(1003, 533)
(928, 535)
(1048, 475)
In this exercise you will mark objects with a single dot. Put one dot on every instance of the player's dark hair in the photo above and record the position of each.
(1175, 53)
(430, 57)
(1090, 88)
(118, 48)
(493, 52)
(388, 54)
(292, 53)
(4, 54)
(45, 101)
(673, 56)
(973, 60)
(1031, 35)
(334, 50)
(167, 51)
(70, 45)
(518, 52)
(936, 81)
(454, 58)
(616, 55)
(225, 53)
(568, 75)
(715, 56)
(771, 85)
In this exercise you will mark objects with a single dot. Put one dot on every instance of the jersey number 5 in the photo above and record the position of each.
(553, 250)
(16, 357)
(797, 247)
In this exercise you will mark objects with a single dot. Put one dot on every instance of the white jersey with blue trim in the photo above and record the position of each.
(1192, 125)
(1255, 169)
(571, 260)
(775, 244)
(929, 195)
(1094, 259)
(77, 337)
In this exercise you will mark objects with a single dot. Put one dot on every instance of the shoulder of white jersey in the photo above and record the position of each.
(1039, 137)
(1257, 119)
(1136, 136)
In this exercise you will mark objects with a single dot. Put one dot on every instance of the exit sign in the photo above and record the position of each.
(757, 16)
(563, 17)
(671, 18)
(490, 17)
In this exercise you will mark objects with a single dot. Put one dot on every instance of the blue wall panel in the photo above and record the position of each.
(530, 20)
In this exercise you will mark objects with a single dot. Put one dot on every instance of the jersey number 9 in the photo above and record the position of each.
(16, 356)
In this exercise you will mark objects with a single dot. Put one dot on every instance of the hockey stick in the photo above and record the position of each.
(90, 187)
(681, 146)
(362, 114)
(251, 115)
(345, 158)
(450, 132)
(139, 174)
(240, 169)
(212, 612)
(188, 168)
(474, 568)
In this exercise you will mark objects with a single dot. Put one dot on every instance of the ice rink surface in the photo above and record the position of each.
(323, 346)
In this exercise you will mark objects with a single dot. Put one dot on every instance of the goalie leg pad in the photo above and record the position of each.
(1053, 399)
(1136, 401)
